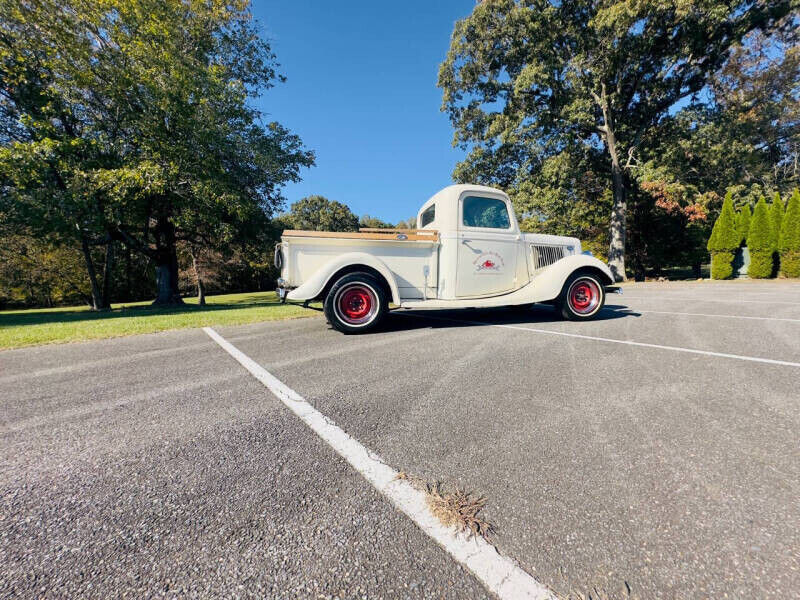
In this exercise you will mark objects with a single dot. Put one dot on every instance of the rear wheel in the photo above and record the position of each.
(581, 298)
(356, 303)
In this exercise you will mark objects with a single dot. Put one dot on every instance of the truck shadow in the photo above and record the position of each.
(404, 320)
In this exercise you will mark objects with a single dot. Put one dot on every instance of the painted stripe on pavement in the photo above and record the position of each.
(700, 299)
(770, 361)
(500, 574)
(666, 312)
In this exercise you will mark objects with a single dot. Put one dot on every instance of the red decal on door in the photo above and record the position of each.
(488, 262)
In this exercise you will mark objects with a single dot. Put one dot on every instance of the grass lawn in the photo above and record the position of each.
(51, 325)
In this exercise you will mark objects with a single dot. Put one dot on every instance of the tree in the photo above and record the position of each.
(671, 221)
(523, 80)
(566, 196)
(759, 241)
(776, 219)
(317, 213)
(36, 272)
(374, 223)
(756, 109)
(411, 223)
(790, 237)
(743, 223)
(724, 241)
(741, 134)
(129, 122)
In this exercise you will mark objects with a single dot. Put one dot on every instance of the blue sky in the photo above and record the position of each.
(361, 92)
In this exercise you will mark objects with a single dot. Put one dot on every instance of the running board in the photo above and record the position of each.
(524, 295)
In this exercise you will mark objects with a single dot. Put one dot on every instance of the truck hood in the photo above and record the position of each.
(554, 240)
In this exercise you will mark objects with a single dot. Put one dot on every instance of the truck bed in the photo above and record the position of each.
(408, 253)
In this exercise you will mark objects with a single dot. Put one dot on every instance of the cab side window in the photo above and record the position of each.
(428, 216)
(490, 213)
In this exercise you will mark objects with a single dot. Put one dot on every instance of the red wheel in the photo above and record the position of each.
(356, 303)
(584, 296)
(581, 298)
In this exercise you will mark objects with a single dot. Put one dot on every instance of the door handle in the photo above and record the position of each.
(467, 244)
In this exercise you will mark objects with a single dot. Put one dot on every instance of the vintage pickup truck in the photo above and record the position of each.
(467, 252)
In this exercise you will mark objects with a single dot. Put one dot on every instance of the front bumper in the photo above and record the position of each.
(613, 289)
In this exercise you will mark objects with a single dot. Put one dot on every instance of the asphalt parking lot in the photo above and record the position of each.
(654, 449)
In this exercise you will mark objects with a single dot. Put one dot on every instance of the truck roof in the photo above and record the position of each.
(446, 201)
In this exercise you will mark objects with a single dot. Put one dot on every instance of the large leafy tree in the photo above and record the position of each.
(746, 130)
(130, 121)
(525, 80)
(34, 271)
(373, 222)
(317, 213)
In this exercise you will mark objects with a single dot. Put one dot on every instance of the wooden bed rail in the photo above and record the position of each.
(370, 233)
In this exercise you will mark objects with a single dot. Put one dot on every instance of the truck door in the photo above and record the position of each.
(487, 247)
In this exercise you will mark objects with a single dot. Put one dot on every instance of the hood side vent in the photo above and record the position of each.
(544, 255)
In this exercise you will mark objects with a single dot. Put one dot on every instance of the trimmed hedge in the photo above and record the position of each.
(759, 241)
(724, 241)
(743, 223)
(789, 244)
(721, 265)
(776, 219)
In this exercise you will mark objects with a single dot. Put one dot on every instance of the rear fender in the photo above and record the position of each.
(549, 282)
(315, 284)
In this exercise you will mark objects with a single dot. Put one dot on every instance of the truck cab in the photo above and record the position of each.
(480, 242)
(467, 251)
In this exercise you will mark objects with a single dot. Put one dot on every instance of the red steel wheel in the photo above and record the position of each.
(584, 296)
(356, 304)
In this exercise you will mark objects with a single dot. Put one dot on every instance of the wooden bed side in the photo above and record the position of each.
(394, 230)
(392, 235)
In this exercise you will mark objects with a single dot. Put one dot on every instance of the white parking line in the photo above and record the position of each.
(666, 312)
(700, 299)
(500, 574)
(769, 361)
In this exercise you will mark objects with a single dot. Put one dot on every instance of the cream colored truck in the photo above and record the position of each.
(467, 252)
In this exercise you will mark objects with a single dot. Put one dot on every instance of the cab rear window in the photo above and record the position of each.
(490, 213)
(428, 215)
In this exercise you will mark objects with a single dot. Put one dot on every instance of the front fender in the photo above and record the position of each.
(550, 280)
(314, 285)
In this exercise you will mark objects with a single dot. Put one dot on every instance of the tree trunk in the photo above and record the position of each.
(616, 248)
(128, 294)
(108, 273)
(201, 292)
(97, 298)
(166, 258)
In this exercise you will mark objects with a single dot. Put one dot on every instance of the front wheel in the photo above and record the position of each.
(356, 303)
(581, 298)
